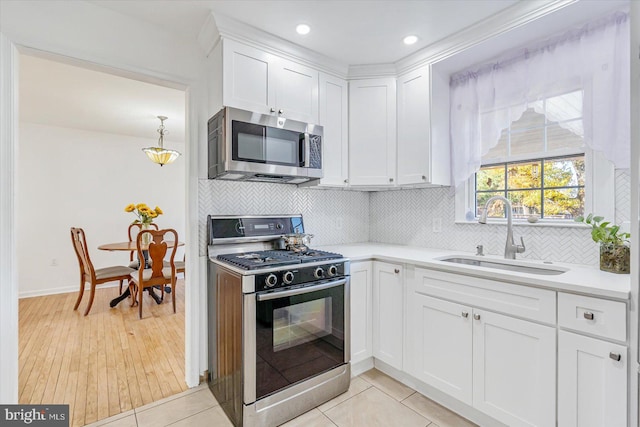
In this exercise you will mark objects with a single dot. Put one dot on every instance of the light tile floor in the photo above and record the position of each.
(373, 400)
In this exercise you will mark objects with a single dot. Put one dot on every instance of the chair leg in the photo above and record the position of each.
(140, 299)
(91, 295)
(133, 290)
(80, 294)
(121, 282)
(173, 295)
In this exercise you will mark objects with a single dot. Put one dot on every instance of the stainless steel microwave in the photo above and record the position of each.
(247, 146)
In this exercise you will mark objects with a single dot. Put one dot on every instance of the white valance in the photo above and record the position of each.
(594, 59)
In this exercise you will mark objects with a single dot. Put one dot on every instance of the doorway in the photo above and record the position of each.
(79, 164)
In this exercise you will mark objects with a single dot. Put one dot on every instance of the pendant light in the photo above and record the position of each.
(159, 154)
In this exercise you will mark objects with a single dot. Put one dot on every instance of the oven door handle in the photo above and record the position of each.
(300, 291)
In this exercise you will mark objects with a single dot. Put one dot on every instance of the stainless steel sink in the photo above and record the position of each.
(518, 266)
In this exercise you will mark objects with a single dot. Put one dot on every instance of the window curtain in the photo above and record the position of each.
(594, 58)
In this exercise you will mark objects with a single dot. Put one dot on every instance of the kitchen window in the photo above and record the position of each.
(541, 165)
(538, 163)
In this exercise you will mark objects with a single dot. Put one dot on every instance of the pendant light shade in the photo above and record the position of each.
(159, 154)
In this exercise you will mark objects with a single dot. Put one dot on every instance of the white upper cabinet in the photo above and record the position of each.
(334, 116)
(414, 130)
(372, 132)
(258, 81)
(421, 160)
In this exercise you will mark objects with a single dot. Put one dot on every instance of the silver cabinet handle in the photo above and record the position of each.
(588, 315)
(346, 181)
(390, 179)
(615, 356)
(465, 314)
(273, 110)
(424, 178)
(397, 270)
(281, 111)
(476, 316)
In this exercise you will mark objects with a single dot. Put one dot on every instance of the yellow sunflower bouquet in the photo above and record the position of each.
(145, 214)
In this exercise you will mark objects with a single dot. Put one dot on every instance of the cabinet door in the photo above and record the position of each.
(361, 304)
(514, 370)
(592, 385)
(414, 127)
(248, 78)
(439, 345)
(296, 91)
(333, 116)
(372, 132)
(387, 313)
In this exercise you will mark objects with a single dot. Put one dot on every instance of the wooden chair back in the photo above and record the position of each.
(134, 230)
(160, 272)
(79, 241)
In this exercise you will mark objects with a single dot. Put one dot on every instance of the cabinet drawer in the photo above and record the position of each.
(517, 300)
(593, 315)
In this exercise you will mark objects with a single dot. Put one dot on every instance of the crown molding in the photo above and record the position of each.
(486, 33)
(229, 28)
(520, 14)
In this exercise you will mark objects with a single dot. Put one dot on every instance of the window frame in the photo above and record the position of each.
(599, 197)
(541, 189)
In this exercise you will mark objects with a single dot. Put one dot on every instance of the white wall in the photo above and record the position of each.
(76, 178)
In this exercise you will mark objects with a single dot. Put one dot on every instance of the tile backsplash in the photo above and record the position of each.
(406, 217)
(400, 217)
(333, 216)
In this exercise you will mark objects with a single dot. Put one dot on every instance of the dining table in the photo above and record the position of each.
(131, 246)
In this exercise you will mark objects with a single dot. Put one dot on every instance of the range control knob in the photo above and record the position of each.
(318, 273)
(287, 278)
(271, 281)
(333, 270)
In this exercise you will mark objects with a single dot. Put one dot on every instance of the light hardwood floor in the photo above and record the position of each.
(103, 364)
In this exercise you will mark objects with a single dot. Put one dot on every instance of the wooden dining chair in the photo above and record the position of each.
(134, 230)
(157, 274)
(88, 274)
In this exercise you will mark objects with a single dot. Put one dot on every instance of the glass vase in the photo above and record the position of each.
(146, 237)
(615, 258)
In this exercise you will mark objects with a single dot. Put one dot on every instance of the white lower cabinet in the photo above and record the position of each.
(502, 366)
(361, 305)
(592, 382)
(388, 309)
(514, 369)
(439, 345)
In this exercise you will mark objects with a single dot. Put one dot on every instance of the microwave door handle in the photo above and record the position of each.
(307, 150)
(264, 143)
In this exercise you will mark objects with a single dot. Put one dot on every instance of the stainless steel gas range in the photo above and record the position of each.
(279, 338)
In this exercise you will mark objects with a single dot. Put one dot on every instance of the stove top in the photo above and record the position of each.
(273, 258)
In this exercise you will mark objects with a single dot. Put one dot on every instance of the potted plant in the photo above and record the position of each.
(614, 244)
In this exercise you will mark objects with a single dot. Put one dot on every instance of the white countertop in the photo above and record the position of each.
(582, 279)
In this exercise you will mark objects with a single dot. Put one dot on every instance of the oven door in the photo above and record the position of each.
(299, 333)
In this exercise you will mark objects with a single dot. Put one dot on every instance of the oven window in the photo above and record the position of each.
(298, 337)
(301, 323)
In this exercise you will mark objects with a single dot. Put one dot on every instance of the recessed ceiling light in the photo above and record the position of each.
(410, 39)
(303, 29)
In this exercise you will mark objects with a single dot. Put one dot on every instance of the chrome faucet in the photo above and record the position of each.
(510, 248)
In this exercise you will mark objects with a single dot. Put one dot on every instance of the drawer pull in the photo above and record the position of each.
(476, 316)
(615, 356)
(588, 315)
(397, 270)
(465, 314)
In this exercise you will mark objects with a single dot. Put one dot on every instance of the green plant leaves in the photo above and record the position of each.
(604, 232)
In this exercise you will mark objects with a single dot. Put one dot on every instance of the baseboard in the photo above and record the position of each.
(362, 366)
(437, 396)
(64, 290)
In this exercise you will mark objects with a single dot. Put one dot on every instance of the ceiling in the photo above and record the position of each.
(353, 32)
(349, 31)
(58, 94)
